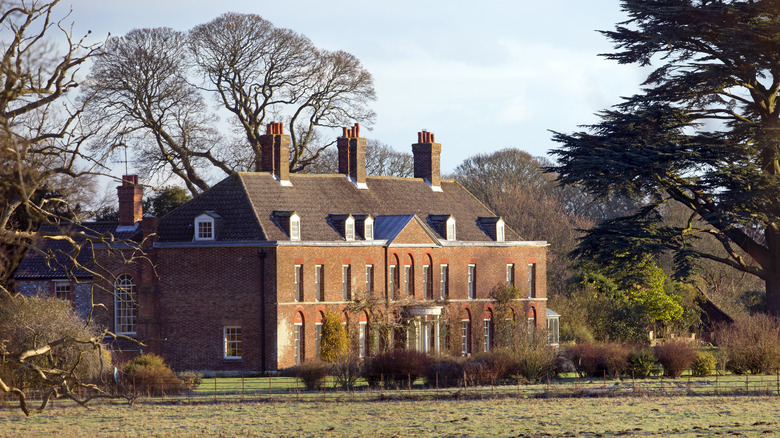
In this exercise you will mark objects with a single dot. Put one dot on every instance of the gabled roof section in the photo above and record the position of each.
(58, 263)
(407, 229)
(227, 199)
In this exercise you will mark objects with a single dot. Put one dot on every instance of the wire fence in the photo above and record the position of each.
(280, 389)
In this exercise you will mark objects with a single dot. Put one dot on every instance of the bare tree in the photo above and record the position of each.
(381, 160)
(41, 147)
(262, 73)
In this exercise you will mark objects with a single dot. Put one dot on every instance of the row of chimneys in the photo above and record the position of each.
(275, 149)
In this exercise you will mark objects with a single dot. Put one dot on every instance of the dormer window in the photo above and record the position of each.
(349, 228)
(205, 226)
(500, 237)
(451, 228)
(368, 230)
(295, 227)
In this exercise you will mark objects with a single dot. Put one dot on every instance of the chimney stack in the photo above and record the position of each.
(427, 159)
(352, 155)
(275, 151)
(130, 195)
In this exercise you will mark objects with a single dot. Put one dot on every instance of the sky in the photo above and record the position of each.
(480, 76)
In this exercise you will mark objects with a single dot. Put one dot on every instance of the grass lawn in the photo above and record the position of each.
(619, 416)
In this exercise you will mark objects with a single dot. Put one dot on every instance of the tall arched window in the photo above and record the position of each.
(125, 306)
(409, 276)
(300, 338)
(465, 333)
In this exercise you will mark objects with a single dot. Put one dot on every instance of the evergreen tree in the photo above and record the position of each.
(703, 132)
(333, 341)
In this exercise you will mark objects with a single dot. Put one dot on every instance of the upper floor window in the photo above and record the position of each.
(391, 283)
(295, 227)
(125, 307)
(472, 281)
(510, 274)
(451, 228)
(319, 283)
(368, 230)
(298, 282)
(408, 281)
(427, 283)
(500, 236)
(346, 282)
(532, 280)
(444, 282)
(204, 227)
(349, 228)
(62, 290)
(369, 279)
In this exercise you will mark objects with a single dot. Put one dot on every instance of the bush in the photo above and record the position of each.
(641, 363)
(751, 344)
(487, 368)
(675, 357)
(446, 372)
(150, 375)
(535, 359)
(596, 360)
(704, 365)
(191, 379)
(346, 372)
(397, 366)
(312, 372)
(333, 340)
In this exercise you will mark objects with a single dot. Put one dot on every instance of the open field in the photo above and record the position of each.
(686, 416)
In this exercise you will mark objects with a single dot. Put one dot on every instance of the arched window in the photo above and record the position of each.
(125, 306)
(363, 335)
(318, 334)
(487, 342)
(409, 276)
(465, 333)
(428, 277)
(393, 275)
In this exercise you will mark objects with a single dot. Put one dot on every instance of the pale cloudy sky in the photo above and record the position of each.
(480, 76)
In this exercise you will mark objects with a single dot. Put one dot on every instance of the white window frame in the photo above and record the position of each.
(299, 342)
(451, 229)
(369, 279)
(532, 280)
(391, 283)
(487, 340)
(552, 331)
(362, 337)
(500, 231)
(232, 342)
(472, 281)
(319, 285)
(408, 280)
(201, 222)
(317, 338)
(349, 228)
(510, 274)
(62, 287)
(444, 280)
(368, 229)
(346, 282)
(125, 305)
(298, 274)
(465, 333)
(426, 283)
(295, 227)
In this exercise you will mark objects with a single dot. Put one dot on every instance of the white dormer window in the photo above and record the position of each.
(500, 237)
(204, 227)
(295, 227)
(368, 231)
(349, 228)
(451, 228)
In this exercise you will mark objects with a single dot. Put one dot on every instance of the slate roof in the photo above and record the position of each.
(33, 265)
(246, 203)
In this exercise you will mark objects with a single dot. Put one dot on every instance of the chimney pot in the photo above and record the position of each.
(275, 151)
(427, 161)
(130, 196)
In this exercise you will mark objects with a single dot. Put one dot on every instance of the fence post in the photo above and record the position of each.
(465, 387)
(437, 384)
(162, 389)
(518, 384)
(242, 386)
(777, 383)
(688, 389)
(269, 384)
(215, 388)
(409, 376)
(747, 385)
(605, 379)
(381, 384)
(633, 381)
(189, 390)
(716, 383)
(548, 380)
(134, 388)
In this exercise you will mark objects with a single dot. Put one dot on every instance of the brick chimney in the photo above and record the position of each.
(427, 159)
(130, 195)
(352, 155)
(275, 151)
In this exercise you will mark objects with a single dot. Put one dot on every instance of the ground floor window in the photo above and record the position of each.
(125, 308)
(488, 334)
(232, 340)
(363, 337)
(465, 334)
(299, 343)
(62, 290)
(317, 338)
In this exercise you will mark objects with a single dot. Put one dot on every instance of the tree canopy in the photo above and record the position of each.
(703, 131)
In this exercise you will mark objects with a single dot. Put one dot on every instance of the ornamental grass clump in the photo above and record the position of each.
(675, 357)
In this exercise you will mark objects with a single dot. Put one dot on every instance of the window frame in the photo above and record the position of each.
(465, 334)
(510, 274)
(531, 280)
(500, 231)
(488, 334)
(391, 273)
(444, 281)
(427, 283)
(319, 283)
(295, 227)
(58, 292)
(349, 229)
(317, 338)
(232, 343)
(346, 282)
(125, 315)
(472, 281)
(368, 229)
(369, 280)
(408, 280)
(299, 342)
(298, 280)
(204, 221)
(362, 338)
(451, 229)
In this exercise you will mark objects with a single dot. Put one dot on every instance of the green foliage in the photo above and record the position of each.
(716, 61)
(641, 363)
(334, 346)
(165, 200)
(148, 373)
(704, 365)
(505, 327)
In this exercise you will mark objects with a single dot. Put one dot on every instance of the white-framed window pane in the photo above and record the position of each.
(532, 280)
(408, 280)
(299, 352)
(500, 232)
(125, 307)
(465, 329)
(205, 229)
(349, 230)
(232, 338)
(363, 337)
(487, 340)
(319, 287)
(391, 282)
(346, 286)
(369, 279)
(317, 338)
(444, 283)
(295, 228)
(472, 281)
(298, 283)
(426, 283)
(510, 274)
(369, 230)
(62, 290)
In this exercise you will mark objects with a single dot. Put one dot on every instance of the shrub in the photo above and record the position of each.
(333, 340)
(150, 375)
(596, 360)
(487, 368)
(446, 372)
(675, 357)
(191, 379)
(346, 372)
(535, 359)
(397, 366)
(641, 363)
(751, 344)
(704, 365)
(312, 372)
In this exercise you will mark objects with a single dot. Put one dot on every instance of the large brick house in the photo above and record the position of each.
(240, 277)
